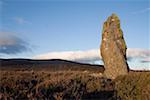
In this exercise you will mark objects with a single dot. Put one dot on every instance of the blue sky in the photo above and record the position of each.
(43, 26)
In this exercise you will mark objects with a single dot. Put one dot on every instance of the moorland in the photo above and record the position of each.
(24, 79)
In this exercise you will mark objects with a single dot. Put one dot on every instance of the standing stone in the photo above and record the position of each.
(113, 48)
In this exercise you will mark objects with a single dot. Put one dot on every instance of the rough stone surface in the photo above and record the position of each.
(113, 48)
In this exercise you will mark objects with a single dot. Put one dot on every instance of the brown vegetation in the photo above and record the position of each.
(54, 85)
(68, 80)
(134, 86)
(73, 85)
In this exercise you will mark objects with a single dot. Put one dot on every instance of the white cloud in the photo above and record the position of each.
(146, 60)
(89, 55)
(93, 55)
(81, 56)
(131, 53)
(21, 20)
(139, 58)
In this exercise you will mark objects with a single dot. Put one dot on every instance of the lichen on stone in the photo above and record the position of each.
(113, 48)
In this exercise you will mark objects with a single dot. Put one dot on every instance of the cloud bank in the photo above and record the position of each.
(143, 53)
(81, 56)
(11, 44)
(137, 58)
(90, 55)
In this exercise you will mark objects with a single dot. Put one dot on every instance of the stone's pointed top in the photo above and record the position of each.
(114, 15)
(113, 18)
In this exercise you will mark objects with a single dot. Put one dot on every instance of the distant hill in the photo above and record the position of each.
(52, 64)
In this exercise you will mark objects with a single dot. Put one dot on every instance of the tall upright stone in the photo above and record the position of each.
(113, 48)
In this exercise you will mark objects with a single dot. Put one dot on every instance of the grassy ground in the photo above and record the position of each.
(134, 86)
(73, 85)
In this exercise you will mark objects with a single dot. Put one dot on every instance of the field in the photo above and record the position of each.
(36, 83)
(73, 85)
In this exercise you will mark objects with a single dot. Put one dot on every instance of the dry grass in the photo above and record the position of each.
(53, 85)
(134, 86)
(73, 85)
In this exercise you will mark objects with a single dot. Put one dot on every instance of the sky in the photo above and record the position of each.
(44, 29)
